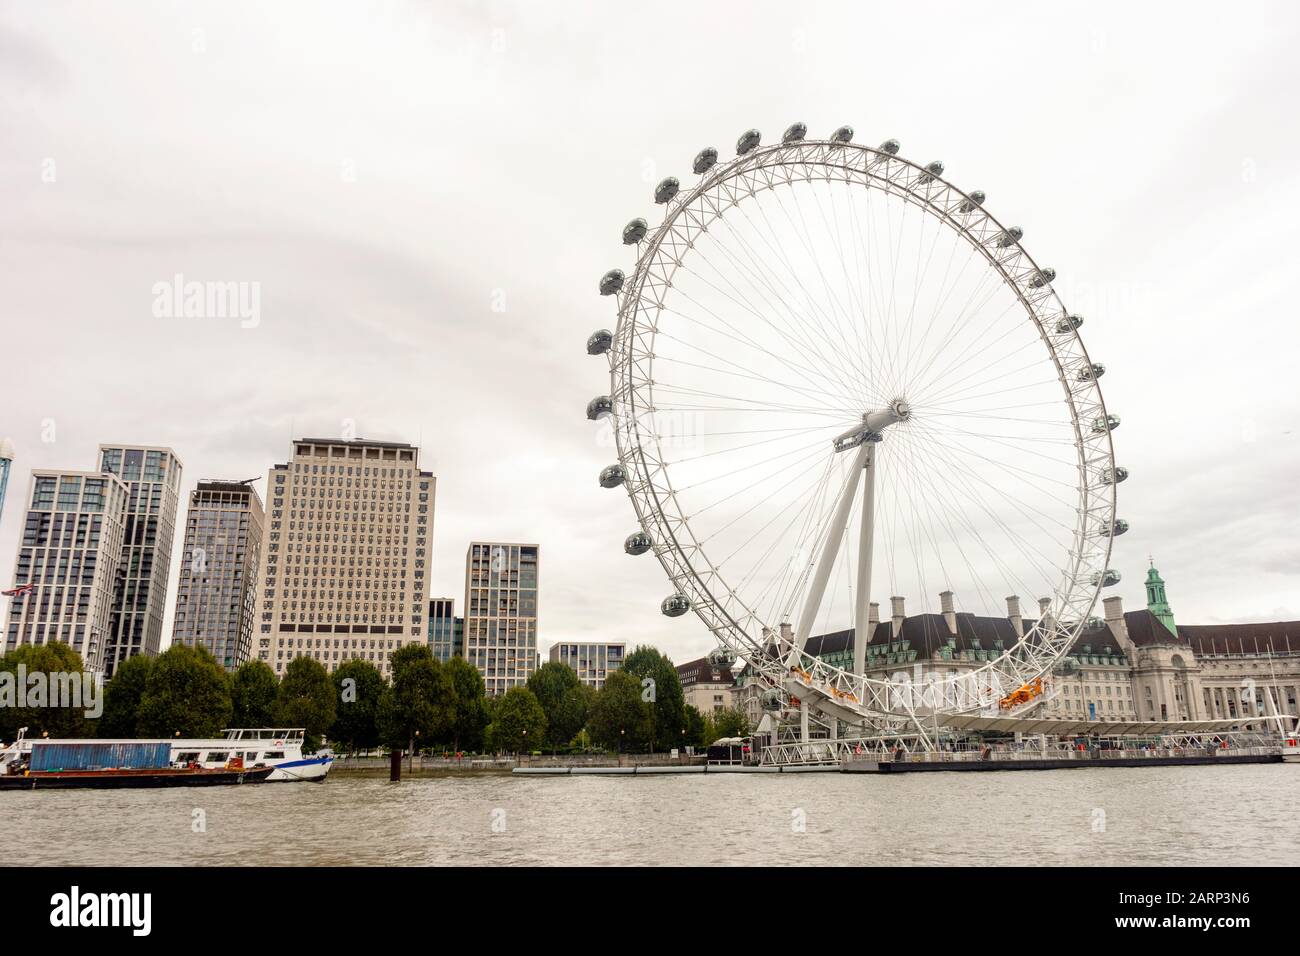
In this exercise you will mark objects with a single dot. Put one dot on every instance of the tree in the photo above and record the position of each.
(123, 695)
(253, 692)
(619, 718)
(187, 693)
(518, 721)
(420, 703)
(695, 728)
(471, 718)
(51, 679)
(559, 691)
(668, 703)
(305, 698)
(728, 722)
(358, 687)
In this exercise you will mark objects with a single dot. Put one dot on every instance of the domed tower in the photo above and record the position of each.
(1157, 603)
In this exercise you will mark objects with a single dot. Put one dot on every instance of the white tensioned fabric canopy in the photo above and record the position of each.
(790, 296)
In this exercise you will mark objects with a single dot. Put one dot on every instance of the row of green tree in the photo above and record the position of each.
(427, 705)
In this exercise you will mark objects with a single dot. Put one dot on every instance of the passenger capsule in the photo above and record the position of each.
(1106, 579)
(1010, 237)
(794, 133)
(973, 201)
(638, 542)
(1115, 528)
(1043, 277)
(748, 140)
(705, 159)
(842, 135)
(675, 605)
(611, 282)
(721, 656)
(1091, 373)
(667, 189)
(612, 476)
(634, 232)
(1113, 476)
(1107, 424)
(1094, 624)
(599, 407)
(771, 699)
(931, 171)
(600, 342)
(1069, 323)
(890, 146)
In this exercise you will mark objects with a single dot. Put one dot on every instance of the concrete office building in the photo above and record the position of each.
(592, 662)
(501, 612)
(217, 592)
(69, 552)
(152, 476)
(344, 566)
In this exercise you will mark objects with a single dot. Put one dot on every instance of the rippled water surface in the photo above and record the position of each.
(1159, 815)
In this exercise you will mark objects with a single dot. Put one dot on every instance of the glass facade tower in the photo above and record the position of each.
(216, 594)
(152, 476)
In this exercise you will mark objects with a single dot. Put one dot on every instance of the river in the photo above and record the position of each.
(1244, 815)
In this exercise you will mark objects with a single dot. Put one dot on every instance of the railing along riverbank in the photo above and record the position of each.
(426, 765)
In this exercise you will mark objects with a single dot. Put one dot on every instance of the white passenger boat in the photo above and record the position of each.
(278, 747)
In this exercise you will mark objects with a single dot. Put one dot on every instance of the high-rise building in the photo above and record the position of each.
(152, 476)
(69, 552)
(501, 612)
(217, 592)
(592, 662)
(344, 567)
(6, 463)
(446, 630)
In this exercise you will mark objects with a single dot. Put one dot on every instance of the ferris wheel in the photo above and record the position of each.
(835, 378)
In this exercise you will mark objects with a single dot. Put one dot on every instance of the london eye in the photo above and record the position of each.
(837, 379)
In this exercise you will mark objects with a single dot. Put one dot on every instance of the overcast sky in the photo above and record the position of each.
(389, 171)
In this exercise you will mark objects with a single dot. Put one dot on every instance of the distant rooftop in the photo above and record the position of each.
(355, 441)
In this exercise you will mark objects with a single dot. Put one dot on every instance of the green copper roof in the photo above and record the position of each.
(1157, 602)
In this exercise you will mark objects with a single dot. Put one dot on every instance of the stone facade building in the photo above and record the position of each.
(1141, 665)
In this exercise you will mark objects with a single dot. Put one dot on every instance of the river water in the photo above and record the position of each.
(1243, 815)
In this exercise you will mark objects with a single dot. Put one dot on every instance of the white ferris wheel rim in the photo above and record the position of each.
(723, 610)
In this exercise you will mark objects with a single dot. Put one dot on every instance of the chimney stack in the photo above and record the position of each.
(1013, 614)
(949, 611)
(896, 608)
(787, 632)
(873, 614)
(1118, 626)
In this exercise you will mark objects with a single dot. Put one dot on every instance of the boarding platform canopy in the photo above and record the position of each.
(1105, 728)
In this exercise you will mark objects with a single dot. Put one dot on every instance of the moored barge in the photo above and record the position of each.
(116, 779)
(64, 765)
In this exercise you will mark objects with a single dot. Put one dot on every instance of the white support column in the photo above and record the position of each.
(830, 548)
(861, 616)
